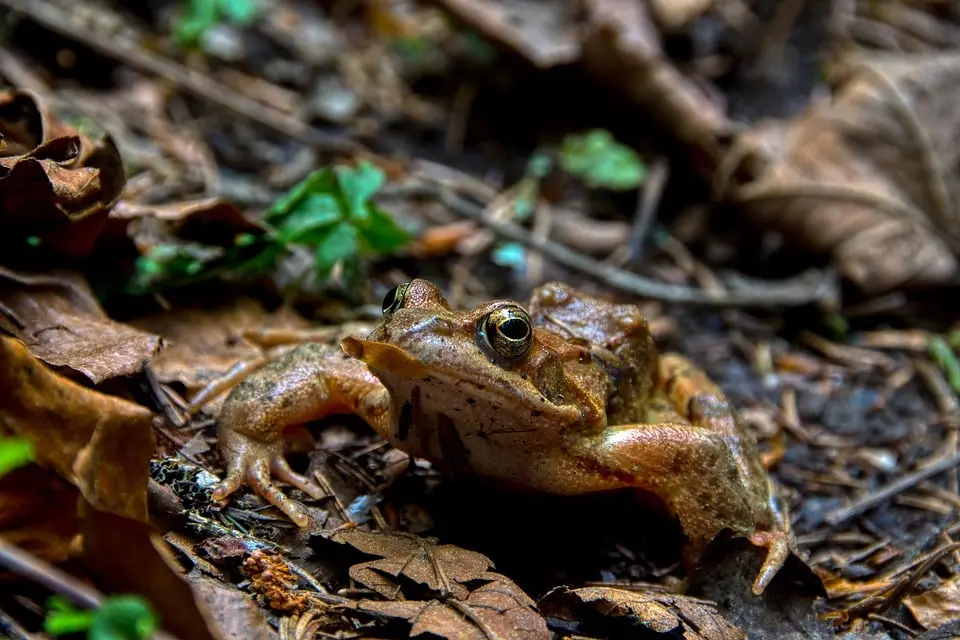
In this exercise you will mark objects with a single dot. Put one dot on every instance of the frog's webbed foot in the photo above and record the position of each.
(777, 544)
(256, 464)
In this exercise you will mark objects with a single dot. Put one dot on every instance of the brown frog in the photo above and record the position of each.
(569, 396)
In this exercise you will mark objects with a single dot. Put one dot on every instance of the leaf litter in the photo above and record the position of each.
(205, 282)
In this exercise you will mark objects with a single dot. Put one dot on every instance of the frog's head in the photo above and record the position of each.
(486, 362)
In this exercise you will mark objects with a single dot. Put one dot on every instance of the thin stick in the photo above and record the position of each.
(869, 501)
(127, 52)
(791, 294)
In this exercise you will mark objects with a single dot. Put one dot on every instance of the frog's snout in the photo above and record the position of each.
(353, 347)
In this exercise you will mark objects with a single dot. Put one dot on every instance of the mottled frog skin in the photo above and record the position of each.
(568, 395)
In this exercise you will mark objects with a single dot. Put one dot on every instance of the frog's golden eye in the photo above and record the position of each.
(508, 331)
(394, 298)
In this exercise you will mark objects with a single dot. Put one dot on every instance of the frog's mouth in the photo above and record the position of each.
(385, 357)
(398, 364)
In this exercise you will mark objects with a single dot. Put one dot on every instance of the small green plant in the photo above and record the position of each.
(602, 162)
(944, 356)
(123, 617)
(14, 453)
(330, 213)
(198, 16)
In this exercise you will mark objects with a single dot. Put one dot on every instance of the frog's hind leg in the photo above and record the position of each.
(694, 473)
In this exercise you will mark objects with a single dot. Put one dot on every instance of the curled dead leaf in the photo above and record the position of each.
(442, 568)
(497, 608)
(871, 177)
(662, 613)
(61, 322)
(55, 183)
(938, 606)
(102, 444)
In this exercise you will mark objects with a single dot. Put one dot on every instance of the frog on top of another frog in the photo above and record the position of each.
(566, 396)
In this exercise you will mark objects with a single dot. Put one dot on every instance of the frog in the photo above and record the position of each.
(568, 395)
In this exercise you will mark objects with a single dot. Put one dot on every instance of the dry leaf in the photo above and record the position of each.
(235, 615)
(100, 443)
(665, 613)
(201, 345)
(873, 176)
(442, 568)
(938, 606)
(38, 512)
(497, 609)
(127, 556)
(61, 323)
(615, 41)
(544, 31)
(55, 183)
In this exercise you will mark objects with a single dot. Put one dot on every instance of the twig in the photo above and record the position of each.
(33, 568)
(125, 51)
(649, 200)
(793, 294)
(867, 502)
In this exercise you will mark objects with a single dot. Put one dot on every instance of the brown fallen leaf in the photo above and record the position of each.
(235, 614)
(496, 609)
(126, 556)
(938, 606)
(544, 31)
(61, 322)
(615, 41)
(38, 512)
(443, 568)
(203, 344)
(55, 183)
(663, 613)
(872, 176)
(101, 444)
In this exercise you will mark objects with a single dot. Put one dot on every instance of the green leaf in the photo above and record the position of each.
(125, 617)
(63, 618)
(315, 211)
(14, 453)
(340, 242)
(381, 234)
(942, 354)
(242, 12)
(320, 181)
(601, 162)
(196, 17)
(358, 186)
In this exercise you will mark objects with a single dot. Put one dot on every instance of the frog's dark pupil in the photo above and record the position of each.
(390, 299)
(514, 329)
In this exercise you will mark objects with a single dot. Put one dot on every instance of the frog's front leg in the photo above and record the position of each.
(305, 384)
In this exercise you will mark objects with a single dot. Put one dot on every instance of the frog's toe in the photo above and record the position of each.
(777, 544)
(256, 466)
(259, 478)
(282, 471)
